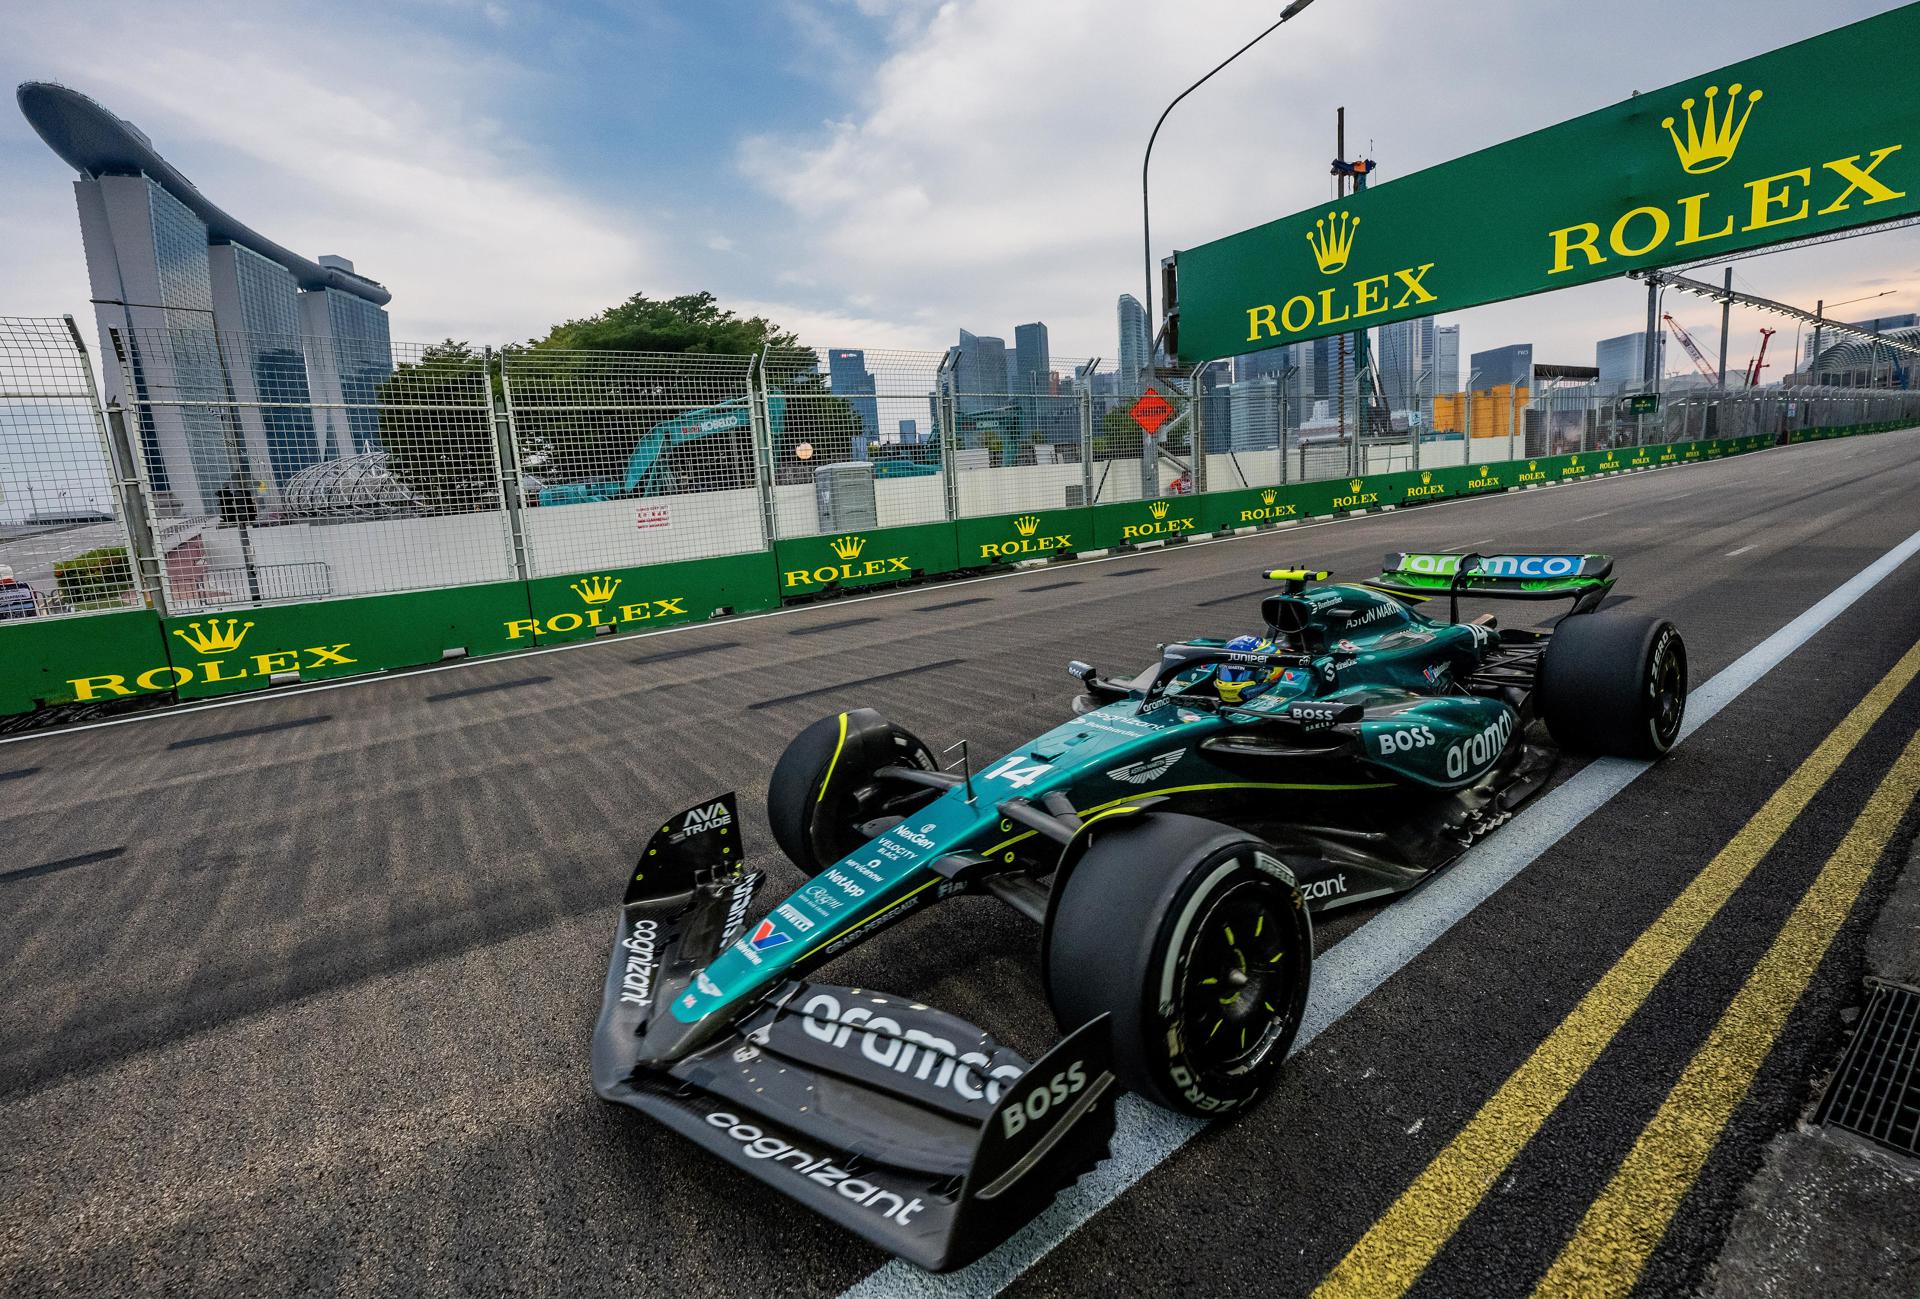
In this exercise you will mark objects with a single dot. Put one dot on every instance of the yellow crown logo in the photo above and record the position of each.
(1332, 240)
(1532, 465)
(1027, 524)
(596, 590)
(210, 639)
(1354, 486)
(1483, 471)
(1158, 509)
(848, 547)
(1575, 460)
(1266, 497)
(1426, 477)
(1711, 142)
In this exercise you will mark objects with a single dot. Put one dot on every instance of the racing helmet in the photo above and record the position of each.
(1237, 683)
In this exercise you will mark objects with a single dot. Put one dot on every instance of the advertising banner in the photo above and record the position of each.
(1816, 137)
(810, 565)
(64, 660)
(1036, 534)
(583, 605)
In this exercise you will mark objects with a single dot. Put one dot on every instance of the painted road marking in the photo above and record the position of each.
(1742, 550)
(1368, 957)
(1397, 1248)
(1620, 1230)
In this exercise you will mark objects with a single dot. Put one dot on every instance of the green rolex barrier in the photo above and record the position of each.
(1169, 518)
(810, 565)
(1034, 534)
(580, 606)
(68, 660)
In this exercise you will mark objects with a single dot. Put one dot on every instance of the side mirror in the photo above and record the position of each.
(1081, 672)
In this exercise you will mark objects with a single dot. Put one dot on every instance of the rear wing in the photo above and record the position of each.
(1584, 579)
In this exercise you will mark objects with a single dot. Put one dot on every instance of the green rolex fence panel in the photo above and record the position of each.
(221, 654)
(1166, 518)
(1036, 534)
(811, 565)
(85, 660)
(646, 598)
(1254, 507)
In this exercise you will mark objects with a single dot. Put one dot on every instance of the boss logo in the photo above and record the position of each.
(1406, 739)
(1041, 1101)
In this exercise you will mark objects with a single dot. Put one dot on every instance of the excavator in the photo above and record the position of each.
(648, 472)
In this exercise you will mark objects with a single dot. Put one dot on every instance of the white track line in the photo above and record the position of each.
(1369, 956)
(1741, 550)
(601, 642)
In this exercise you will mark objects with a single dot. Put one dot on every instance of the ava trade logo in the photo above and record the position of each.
(1534, 474)
(213, 642)
(1331, 241)
(1026, 543)
(1357, 497)
(1710, 143)
(1425, 487)
(1270, 508)
(596, 594)
(848, 548)
(1161, 525)
(1486, 480)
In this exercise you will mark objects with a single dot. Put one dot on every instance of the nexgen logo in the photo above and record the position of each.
(172, 676)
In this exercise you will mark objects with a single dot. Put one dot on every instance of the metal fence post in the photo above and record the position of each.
(947, 408)
(1197, 435)
(1086, 432)
(760, 422)
(506, 459)
(130, 493)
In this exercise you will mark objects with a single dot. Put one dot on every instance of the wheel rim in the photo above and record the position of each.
(1240, 978)
(1669, 696)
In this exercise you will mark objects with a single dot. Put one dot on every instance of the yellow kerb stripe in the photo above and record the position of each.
(1398, 1247)
(1621, 1229)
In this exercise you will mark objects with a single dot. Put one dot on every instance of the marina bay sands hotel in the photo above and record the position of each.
(208, 309)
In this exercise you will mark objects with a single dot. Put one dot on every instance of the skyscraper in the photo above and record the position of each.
(847, 377)
(1622, 361)
(1406, 359)
(168, 268)
(1446, 366)
(1511, 364)
(1134, 340)
(980, 374)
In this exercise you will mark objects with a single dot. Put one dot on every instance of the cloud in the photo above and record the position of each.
(404, 171)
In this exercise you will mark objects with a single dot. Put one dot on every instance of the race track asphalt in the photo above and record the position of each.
(298, 992)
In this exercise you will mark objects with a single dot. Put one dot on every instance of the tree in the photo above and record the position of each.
(580, 413)
(433, 425)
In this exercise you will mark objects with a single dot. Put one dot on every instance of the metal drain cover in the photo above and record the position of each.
(1876, 1091)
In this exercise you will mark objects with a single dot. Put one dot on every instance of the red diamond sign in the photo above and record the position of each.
(1151, 411)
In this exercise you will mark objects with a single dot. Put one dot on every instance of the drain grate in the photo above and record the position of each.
(1876, 1092)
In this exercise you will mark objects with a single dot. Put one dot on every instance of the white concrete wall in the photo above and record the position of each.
(618, 534)
(372, 555)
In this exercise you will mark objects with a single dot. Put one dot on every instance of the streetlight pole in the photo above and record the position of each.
(1146, 220)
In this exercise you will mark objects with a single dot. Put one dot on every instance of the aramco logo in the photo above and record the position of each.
(850, 568)
(1026, 542)
(213, 641)
(1164, 523)
(1357, 497)
(1426, 487)
(1332, 240)
(1269, 509)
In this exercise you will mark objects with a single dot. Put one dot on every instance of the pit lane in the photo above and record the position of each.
(302, 1004)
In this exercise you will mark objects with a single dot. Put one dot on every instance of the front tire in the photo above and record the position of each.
(1615, 684)
(1194, 937)
(824, 787)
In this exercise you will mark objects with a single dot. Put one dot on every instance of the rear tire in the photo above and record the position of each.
(1614, 684)
(1194, 937)
(823, 788)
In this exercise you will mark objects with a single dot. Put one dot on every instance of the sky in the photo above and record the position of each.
(869, 173)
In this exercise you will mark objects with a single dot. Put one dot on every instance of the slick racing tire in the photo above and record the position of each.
(1613, 684)
(824, 786)
(1194, 937)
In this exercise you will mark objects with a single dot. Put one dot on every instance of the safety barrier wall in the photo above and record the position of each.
(499, 562)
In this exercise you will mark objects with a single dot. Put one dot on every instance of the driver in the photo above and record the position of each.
(1237, 683)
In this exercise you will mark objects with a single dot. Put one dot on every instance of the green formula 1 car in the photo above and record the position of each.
(1172, 840)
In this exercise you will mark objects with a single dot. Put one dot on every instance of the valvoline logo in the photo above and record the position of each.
(767, 936)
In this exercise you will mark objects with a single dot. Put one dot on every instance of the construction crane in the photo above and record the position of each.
(1760, 361)
(1693, 350)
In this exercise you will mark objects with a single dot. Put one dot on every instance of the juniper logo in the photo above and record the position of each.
(1332, 241)
(848, 547)
(212, 638)
(1711, 144)
(596, 590)
(1164, 524)
(1027, 542)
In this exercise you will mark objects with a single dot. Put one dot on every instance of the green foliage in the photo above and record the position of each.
(433, 424)
(94, 578)
(691, 322)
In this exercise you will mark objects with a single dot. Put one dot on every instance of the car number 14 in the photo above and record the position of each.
(1014, 773)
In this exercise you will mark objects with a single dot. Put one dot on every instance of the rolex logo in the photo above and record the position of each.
(1483, 471)
(1354, 486)
(1332, 240)
(848, 547)
(1027, 524)
(1426, 477)
(1266, 497)
(1532, 465)
(1710, 143)
(210, 639)
(1158, 509)
(596, 590)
